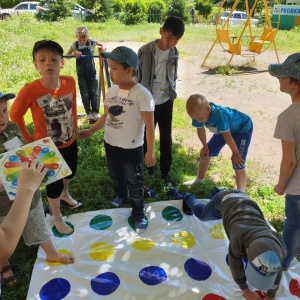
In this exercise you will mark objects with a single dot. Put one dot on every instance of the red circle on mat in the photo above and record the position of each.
(261, 294)
(295, 287)
(213, 297)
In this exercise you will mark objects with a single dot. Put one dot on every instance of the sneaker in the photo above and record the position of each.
(148, 193)
(185, 208)
(96, 116)
(140, 226)
(193, 181)
(118, 201)
(90, 117)
(173, 193)
(151, 172)
(167, 180)
(215, 191)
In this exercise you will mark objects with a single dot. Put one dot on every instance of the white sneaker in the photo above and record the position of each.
(193, 181)
(96, 116)
(90, 116)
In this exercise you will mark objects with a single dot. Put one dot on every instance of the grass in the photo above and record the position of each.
(92, 184)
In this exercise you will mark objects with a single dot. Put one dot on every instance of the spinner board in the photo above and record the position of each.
(45, 151)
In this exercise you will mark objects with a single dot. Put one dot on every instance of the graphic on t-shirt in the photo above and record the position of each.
(45, 151)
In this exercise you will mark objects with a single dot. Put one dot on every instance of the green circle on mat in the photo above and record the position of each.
(171, 213)
(57, 234)
(131, 222)
(101, 222)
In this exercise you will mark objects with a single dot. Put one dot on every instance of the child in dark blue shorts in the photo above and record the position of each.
(229, 126)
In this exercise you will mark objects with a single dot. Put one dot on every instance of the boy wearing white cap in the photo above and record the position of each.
(250, 237)
(128, 109)
(288, 131)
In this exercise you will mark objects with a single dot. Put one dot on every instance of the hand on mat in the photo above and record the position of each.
(249, 295)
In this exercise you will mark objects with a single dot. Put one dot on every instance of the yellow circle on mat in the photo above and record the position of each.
(101, 251)
(143, 245)
(57, 263)
(184, 238)
(217, 232)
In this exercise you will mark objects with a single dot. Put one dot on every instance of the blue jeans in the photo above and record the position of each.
(125, 169)
(88, 86)
(291, 231)
(208, 211)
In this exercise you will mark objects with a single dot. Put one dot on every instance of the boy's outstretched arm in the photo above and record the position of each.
(236, 157)
(202, 137)
(13, 224)
(100, 123)
(148, 117)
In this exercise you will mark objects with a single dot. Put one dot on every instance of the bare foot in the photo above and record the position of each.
(61, 226)
(63, 258)
(67, 198)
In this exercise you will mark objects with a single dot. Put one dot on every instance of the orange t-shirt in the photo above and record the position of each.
(54, 112)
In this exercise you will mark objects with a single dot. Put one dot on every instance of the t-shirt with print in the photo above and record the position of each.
(224, 119)
(124, 125)
(54, 112)
(161, 86)
(11, 132)
(288, 129)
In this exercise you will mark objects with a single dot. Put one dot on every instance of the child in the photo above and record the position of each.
(128, 108)
(229, 126)
(86, 72)
(158, 64)
(249, 236)
(52, 101)
(287, 130)
(14, 214)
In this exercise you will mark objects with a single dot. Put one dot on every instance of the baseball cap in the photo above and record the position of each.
(264, 263)
(82, 31)
(289, 68)
(8, 96)
(123, 54)
(47, 44)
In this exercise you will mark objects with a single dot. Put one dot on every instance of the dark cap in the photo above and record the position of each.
(8, 96)
(47, 44)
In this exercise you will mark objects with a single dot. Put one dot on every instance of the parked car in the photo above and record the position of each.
(78, 11)
(236, 18)
(23, 7)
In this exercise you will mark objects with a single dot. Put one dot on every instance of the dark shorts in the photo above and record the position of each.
(70, 154)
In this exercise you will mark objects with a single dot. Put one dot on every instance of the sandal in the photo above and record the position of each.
(10, 280)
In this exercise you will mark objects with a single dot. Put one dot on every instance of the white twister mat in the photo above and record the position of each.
(177, 257)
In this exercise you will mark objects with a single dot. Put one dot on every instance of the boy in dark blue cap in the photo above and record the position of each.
(128, 108)
(249, 236)
(288, 131)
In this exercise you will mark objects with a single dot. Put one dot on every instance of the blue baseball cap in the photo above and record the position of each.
(289, 68)
(264, 263)
(123, 54)
(8, 96)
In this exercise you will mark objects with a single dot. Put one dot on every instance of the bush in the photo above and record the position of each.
(155, 9)
(134, 12)
(180, 9)
(204, 7)
(56, 9)
(103, 10)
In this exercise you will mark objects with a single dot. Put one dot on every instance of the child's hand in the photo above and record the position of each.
(204, 152)
(77, 54)
(150, 159)
(278, 189)
(31, 176)
(84, 134)
(237, 160)
(249, 295)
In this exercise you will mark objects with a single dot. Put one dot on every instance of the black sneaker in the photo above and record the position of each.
(167, 180)
(185, 208)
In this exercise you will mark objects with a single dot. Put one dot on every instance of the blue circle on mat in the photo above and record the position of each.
(197, 270)
(153, 275)
(55, 289)
(105, 284)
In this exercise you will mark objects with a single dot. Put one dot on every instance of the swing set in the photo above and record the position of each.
(231, 42)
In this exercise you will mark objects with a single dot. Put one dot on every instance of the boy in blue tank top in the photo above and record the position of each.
(229, 126)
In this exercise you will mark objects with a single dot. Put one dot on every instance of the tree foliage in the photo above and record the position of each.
(55, 10)
(134, 12)
(179, 8)
(203, 7)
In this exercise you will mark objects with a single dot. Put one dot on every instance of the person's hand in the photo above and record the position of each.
(204, 152)
(150, 159)
(77, 54)
(237, 160)
(84, 134)
(249, 295)
(102, 46)
(31, 176)
(278, 189)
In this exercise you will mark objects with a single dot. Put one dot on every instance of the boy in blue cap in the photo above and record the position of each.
(288, 131)
(249, 236)
(128, 109)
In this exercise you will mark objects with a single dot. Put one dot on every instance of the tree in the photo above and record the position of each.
(134, 12)
(55, 10)
(179, 8)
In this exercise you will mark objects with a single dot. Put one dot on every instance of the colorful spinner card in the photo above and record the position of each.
(45, 151)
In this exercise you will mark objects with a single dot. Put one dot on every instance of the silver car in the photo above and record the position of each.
(23, 7)
(236, 18)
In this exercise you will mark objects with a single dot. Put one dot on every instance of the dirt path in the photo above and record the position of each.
(254, 92)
